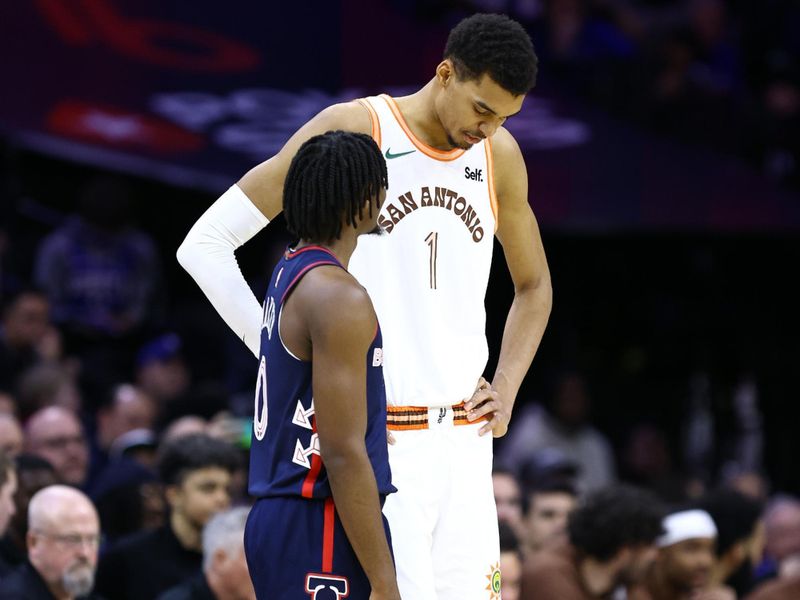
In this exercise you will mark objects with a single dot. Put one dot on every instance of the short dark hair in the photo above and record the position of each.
(330, 179)
(508, 539)
(734, 514)
(493, 45)
(612, 518)
(192, 452)
(555, 485)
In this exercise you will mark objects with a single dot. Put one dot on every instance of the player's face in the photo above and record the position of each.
(687, 564)
(473, 110)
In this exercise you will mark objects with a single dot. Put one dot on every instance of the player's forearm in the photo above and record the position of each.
(208, 255)
(522, 334)
(355, 494)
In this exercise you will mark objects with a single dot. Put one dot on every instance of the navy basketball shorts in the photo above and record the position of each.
(297, 549)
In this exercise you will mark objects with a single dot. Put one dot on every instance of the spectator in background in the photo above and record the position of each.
(507, 498)
(26, 336)
(63, 540)
(47, 384)
(162, 374)
(56, 434)
(8, 405)
(8, 487)
(100, 273)
(10, 435)
(548, 508)
(612, 536)
(127, 409)
(510, 563)
(196, 472)
(564, 425)
(224, 575)
(33, 474)
(686, 556)
(782, 529)
(740, 538)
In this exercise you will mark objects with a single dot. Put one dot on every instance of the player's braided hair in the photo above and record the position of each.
(331, 178)
(493, 45)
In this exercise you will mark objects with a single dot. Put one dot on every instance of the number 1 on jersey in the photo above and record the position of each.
(433, 242)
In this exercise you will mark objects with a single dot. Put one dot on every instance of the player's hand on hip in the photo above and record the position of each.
(486, 401)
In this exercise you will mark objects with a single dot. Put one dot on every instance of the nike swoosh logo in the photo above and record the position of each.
(389, 154)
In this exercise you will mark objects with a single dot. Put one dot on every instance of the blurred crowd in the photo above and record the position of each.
(724, 73)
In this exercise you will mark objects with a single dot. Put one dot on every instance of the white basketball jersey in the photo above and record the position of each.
(427, 274)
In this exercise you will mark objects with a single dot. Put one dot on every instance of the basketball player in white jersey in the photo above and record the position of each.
(456, 177)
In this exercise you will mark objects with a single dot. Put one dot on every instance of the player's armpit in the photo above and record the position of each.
(263, 184)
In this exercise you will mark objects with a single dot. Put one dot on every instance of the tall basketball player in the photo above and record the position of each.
(319, 463)
(457, 177)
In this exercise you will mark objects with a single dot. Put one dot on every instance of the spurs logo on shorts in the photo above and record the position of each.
(494, 582)
(326, 587)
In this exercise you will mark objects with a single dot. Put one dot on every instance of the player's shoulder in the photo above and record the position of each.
(332, 286)
(347, 116)
(504, 146)
(335, 302)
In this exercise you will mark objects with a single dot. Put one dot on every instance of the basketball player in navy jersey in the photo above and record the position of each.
(319, 462)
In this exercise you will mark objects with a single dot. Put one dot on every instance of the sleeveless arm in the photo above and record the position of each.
(342, 325)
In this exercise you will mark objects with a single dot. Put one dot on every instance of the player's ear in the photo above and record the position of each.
(445, 72)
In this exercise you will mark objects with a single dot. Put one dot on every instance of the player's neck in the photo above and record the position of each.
(419, 112)
(342, 249)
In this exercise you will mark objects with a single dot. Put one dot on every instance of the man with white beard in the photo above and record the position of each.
(63, 537)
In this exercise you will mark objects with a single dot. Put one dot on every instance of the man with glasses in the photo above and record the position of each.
(63, 539)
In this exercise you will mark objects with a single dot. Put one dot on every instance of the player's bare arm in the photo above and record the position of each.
(340, 325)
(518, 233)
(263, 184)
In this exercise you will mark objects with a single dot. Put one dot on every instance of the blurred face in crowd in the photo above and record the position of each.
(63, 540)
(130, 409)
(635, 561)
(29, 481)
(26, 321)
(546, 522)
(783, 530)
(228, 576)
(511, 575)
(7, 506)
(55, 434)
(200, 495)
(508, 498)
(164, 379)
(10, 435)
(687, 565)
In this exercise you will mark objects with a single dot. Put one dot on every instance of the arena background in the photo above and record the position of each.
(662, 165)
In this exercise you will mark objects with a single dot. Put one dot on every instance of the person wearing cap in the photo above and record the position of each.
(161, 372)
(685, 560)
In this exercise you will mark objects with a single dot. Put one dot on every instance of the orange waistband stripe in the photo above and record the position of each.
(406, 418)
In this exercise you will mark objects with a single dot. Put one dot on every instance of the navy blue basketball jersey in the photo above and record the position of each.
(284, 454)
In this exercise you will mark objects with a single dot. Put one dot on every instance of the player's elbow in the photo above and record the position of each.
(342, 453)
(188, 254)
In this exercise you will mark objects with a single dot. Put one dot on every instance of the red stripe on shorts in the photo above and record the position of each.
(327, 536)
(307, 490)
